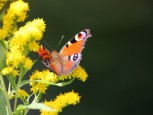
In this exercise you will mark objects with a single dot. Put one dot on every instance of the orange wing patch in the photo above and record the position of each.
(76, 44)
(44, 53)
(73, 48)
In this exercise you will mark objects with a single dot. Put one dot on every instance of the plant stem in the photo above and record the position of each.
(16, 93)
(26, 111)
(5, 95)
(17, 87)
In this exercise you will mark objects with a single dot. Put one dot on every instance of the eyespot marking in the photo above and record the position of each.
(79, 35)
(75, 57)
(46, 62)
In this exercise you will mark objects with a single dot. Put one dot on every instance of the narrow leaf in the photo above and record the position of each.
(2, 54)
(12, 81)
(2, 104)
(35, 105)
(24, 82)
(40, 106)
(65, 83)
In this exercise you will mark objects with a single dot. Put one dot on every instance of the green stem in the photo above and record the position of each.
(17, 88)
(9, 87)
(16, 93)
(26, 111)
(5, 95)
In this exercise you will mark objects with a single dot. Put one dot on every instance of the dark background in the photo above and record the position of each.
(118, 57)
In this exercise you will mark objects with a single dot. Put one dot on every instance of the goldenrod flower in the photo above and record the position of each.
(23, 40)
(45, 75)
(48, 76)
(10, 70)
(16, 13)
(60, 102)
(14, 58)
(22, 94)
(78, 73)
(39, 88)
(19, 9)
(33, 46)
(28, 34)
(28, 63)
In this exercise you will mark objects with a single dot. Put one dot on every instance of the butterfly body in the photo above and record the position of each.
(68, 58)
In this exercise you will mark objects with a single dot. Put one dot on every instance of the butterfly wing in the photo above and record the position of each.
(45, 56)
(52, 60)
(76, 44)
(71, 52)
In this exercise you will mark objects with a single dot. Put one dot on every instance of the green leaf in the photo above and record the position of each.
(12, 81)
(61, 84)
(35, 105)
(2, 104)
(2, 14)
(40, 106)
(2, 54)
(24, 82)
(65, 83)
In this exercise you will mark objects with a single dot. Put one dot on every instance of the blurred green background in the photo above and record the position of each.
(118, 57)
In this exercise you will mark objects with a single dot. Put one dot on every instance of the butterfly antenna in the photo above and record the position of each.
(59, 42)
(47, 44)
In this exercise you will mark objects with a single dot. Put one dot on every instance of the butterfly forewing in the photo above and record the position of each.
(76, 44)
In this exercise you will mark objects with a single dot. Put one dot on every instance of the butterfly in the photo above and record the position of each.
(68, 58)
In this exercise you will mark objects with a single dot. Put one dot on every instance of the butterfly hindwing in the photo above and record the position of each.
(71, 62)
(45, 56)
(43, 53)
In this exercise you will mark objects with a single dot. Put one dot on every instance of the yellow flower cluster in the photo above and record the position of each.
(60, 102)
(19, 44)
(42, 78)
(10, 70)
(16, 13)
(22, 94)
(78, 73)
(28, 35)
